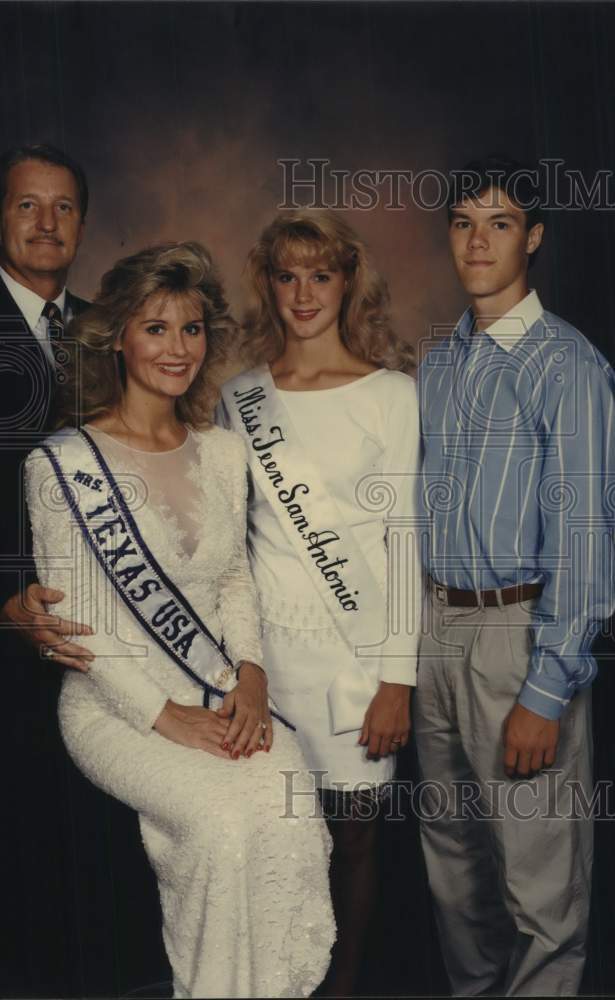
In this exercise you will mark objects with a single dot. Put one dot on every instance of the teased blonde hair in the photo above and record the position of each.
(95, 380)
(311, 239)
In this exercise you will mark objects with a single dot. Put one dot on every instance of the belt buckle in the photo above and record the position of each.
(441, 594)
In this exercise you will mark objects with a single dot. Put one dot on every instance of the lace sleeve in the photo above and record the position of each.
(64, 561)
(237, 603)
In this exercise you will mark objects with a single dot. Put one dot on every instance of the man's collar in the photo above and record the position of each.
(508, 329)
(30, 304)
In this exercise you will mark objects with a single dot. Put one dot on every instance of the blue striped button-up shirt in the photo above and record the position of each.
(518, 428)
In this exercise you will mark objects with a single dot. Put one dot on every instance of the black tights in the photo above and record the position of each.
(354, 882)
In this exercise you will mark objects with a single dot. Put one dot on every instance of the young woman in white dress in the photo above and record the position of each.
(324, 401)
(243, 888)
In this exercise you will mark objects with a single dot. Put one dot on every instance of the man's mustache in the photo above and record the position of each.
(46, 239)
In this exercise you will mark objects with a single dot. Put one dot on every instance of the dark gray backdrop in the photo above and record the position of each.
(179, 112)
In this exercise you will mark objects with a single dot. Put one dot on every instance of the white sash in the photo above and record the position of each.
(315, 528)
(108, 526)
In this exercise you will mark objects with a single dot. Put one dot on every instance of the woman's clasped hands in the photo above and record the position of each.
(238, 728)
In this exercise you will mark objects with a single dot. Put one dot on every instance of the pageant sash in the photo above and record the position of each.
(315, 528)
(110, 530)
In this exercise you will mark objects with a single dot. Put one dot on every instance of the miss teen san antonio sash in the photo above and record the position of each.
(111, 532)
(316, 530)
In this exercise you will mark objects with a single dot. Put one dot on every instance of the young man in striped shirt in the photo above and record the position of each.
(518, 423)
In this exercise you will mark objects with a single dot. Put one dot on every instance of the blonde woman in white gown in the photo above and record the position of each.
(242, 878)
(326, 418)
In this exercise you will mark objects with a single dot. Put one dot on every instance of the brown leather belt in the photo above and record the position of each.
(455, 598)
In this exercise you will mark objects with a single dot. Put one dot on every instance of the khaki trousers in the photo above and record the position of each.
(508, 867)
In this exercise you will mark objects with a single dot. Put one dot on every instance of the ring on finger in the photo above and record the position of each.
(47, 652)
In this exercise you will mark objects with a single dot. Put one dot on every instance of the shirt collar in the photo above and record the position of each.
(509, 328)
(30, 304)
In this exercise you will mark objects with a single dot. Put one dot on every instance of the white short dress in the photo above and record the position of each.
(369, 426)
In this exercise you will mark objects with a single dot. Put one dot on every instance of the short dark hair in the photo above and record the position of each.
(45, 153)
(519, 181)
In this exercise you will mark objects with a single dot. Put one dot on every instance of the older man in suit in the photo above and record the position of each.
(68, 854)
(43, 205)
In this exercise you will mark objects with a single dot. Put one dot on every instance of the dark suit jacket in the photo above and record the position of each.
(27, 392)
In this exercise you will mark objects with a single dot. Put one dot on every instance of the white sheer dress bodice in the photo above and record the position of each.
(172, 481)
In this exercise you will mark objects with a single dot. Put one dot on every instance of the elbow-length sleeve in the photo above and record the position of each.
(237, 601)
(65, 561)
(401, 465)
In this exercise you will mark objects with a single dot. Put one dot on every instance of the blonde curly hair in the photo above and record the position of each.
(95, 376)
(312, 239)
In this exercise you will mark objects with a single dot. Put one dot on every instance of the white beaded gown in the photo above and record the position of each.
(241, 865)
(365, 428)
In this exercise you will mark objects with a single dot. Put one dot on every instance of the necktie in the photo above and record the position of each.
(55, 332)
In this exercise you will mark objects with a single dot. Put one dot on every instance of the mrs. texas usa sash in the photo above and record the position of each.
(110, 530)
(316, 530)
